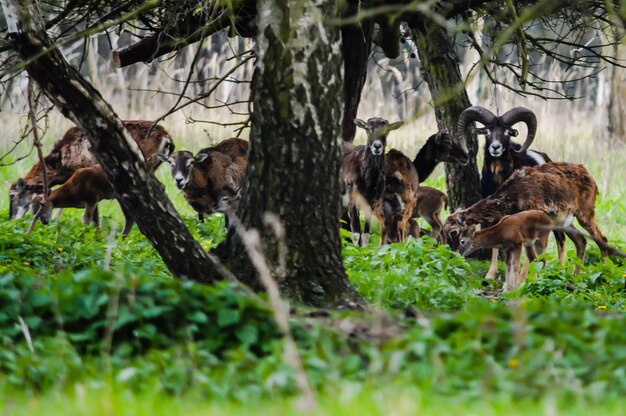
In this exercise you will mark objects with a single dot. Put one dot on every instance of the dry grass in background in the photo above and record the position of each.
(567, 130)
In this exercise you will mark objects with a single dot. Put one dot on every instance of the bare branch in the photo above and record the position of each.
(208, 93)
(182, 93)
(26, 332)
(251, 240)
(26, 132)
(32, 108)
(521, 42)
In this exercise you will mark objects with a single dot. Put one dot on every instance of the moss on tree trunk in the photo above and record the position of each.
(295, 159)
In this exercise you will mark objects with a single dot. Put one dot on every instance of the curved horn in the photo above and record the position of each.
(523, 114)
(475, 113)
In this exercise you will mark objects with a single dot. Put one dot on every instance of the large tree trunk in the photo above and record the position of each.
(440, 70)
(356, 45)
(295, 160)
(138, 191)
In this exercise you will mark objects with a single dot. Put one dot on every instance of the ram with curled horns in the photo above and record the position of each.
(502, 156)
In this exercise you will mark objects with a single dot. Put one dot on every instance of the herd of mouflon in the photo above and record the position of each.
(525, 196)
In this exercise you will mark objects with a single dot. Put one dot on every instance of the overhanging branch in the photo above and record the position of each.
(188, 31)
(154, 46)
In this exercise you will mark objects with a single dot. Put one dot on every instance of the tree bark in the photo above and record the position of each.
(140, 194)
(295, 159)
(440, 70)
(356, 45)
(616, 108)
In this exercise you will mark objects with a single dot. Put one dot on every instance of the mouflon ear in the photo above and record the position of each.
(20, 184)
(395, 125)
(360, 123)
(201, 157)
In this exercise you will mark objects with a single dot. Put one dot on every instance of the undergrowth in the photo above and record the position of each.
(158, 334)
(66, 321)
(83, 310)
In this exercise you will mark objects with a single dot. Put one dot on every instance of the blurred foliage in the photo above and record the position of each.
(419, 273)
(135, 328)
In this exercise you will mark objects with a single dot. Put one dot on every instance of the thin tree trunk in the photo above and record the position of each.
(440, 70)
(295, 160)
(616, 110)
(138, 191)
(356, 45)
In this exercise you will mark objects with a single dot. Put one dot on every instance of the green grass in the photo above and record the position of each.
(347, 400)
(437, 339)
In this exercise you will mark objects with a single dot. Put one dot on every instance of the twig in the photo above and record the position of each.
(523, 51)
(111, 318)
(13, 147)
(244, 126)
(37, 144)
(273, 222)
(251, 240)
(185, 86)
(191, 120)
(205, 95)
(110, 246)
(23, 136)
(26, 333)
(36, 141)
(34, 221)
(112, 309)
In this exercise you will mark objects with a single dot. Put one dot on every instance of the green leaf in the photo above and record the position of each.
(198, 317)
(228, 317)
(248, 335)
